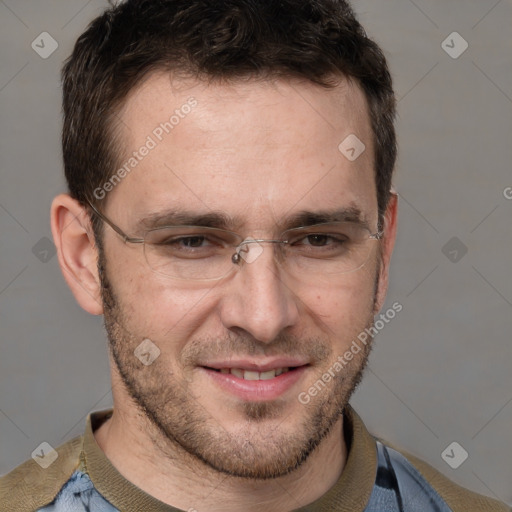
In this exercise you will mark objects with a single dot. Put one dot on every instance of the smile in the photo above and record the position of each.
(254, 375)
(250, 383)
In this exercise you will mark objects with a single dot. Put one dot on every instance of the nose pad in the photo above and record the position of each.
(249, 250)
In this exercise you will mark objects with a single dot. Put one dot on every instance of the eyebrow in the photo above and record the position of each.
(186, 218)
(309, 218)
(218, 219)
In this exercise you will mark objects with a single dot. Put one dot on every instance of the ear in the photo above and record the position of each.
(387, 244)
(77, 252)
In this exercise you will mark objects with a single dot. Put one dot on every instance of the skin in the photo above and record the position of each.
(259, 152)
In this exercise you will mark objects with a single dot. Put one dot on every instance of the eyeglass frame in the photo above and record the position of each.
(378, 235)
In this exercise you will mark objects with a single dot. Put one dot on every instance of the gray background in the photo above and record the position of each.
(440, 371)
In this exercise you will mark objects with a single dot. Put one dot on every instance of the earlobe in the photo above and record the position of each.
(387, 244)
(77, 252)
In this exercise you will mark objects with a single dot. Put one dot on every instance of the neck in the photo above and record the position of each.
(134, 447)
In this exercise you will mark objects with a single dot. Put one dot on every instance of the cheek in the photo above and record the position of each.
(346, 308)
(355, 288)
(172, 311)
(155, 307)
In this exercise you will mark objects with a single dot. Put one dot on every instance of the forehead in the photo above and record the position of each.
(254, 149)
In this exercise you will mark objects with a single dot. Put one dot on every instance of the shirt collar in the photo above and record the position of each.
(350, 493)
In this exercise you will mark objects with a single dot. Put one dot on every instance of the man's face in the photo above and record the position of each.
(260, 154)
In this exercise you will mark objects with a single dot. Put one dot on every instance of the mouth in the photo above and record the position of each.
(252, 374)
(252, 382)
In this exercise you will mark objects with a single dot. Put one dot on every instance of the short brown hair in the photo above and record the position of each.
(317, 40)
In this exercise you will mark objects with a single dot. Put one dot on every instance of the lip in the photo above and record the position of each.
(256, 366)
(255, 390)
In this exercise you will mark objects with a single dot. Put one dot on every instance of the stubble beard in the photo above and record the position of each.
(181, 428)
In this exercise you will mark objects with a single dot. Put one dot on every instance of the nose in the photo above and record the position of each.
(259, 299)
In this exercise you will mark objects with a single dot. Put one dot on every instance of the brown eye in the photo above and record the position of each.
(318, 240)
(191, 241)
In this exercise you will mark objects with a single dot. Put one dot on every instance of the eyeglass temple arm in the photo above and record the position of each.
(117, 229)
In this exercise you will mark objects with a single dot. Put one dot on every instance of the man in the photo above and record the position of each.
(230, 213)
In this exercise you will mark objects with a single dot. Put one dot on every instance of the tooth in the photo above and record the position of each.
(237, 372)
(254, 375)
